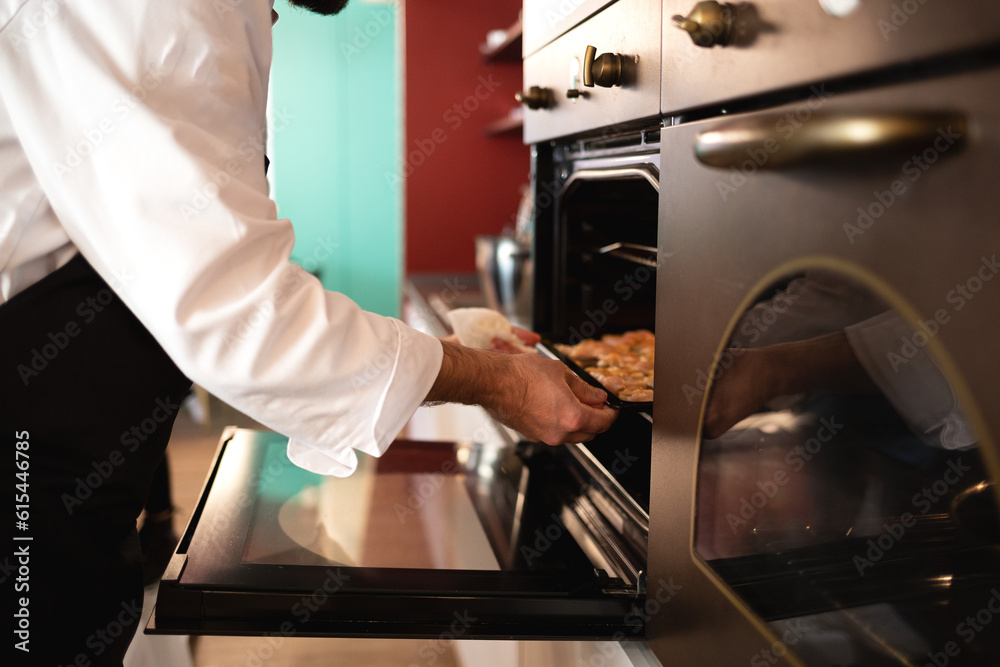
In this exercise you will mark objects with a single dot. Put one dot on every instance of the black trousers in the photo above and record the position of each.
(87, 402)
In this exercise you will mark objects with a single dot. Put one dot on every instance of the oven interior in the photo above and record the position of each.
(596, 220)
(599, 238)
(609, 279)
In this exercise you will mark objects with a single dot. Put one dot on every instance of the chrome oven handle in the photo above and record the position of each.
(780, 140)
(645, 170)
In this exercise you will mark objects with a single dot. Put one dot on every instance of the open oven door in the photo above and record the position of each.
(430, 540)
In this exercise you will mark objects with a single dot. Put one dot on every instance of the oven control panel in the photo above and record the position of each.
(602, 74)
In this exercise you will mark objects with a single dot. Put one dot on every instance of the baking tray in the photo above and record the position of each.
(548, 349)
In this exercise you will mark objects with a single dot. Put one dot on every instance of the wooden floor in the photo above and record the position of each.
(190, 453)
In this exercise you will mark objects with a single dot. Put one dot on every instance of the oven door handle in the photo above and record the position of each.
(645, 170)
(782, 140)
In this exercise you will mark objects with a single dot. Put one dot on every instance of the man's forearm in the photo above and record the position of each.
(472, 377)
(537, 397)
(824, 363)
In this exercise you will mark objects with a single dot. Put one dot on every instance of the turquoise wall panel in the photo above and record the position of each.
(335, 109)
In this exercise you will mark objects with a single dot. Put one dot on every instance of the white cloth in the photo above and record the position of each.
(133, 131)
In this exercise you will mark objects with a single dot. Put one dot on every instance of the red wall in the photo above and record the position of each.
(458, 182)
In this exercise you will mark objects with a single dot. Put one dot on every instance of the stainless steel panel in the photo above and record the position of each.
(544, 20)
(916, 224)
(798, 42)
(628, 27)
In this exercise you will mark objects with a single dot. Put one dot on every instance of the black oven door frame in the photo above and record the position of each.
(207, 589)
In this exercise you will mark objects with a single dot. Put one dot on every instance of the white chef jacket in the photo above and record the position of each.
(133, 132)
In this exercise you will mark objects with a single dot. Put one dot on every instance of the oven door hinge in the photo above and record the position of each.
(616, 586)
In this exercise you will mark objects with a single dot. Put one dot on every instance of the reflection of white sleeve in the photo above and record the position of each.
(816, 303)
(143, 124)
(887, 348)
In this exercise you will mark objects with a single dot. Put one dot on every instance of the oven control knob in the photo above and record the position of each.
(535, 97)
(604, 70)
(709, 23)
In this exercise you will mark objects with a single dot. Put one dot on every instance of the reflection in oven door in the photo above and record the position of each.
(855, 502)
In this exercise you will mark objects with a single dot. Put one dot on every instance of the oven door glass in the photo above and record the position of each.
(841, 493)
(432, 538)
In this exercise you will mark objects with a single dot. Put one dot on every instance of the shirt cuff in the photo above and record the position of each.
(415, 368)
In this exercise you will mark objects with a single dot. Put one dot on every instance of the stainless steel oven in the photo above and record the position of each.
(824, 447)
(850, 519)
(485, 538)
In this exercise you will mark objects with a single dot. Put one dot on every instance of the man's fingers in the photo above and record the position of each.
(594, 421)
(527, 337)
(586, 393)
(560, 407)
(597, 423)
(500, 345)
(600, 420)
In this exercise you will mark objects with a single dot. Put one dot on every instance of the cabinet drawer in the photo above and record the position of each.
(788, 43)
(628, 27)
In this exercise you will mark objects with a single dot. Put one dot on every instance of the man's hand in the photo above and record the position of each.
(538, 397)
(740, 391)
(529, 338)
(824, 363)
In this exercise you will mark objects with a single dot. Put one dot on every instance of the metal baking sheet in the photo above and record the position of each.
(548, 348)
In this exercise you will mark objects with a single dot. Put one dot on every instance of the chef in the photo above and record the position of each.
(139, 251)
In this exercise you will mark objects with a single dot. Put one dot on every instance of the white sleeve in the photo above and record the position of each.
(816, 303)
(894, 356)
(143, 123)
